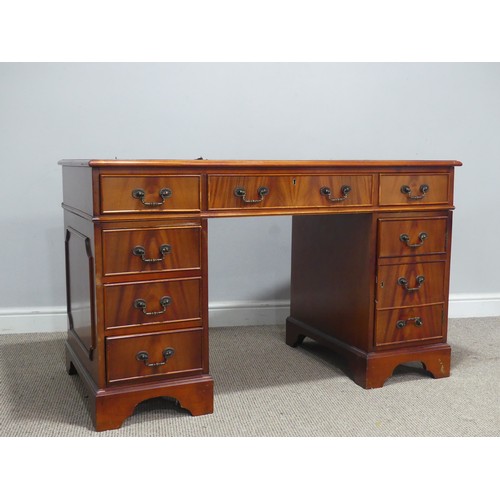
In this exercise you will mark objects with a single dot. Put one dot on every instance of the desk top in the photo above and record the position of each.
(120, 189)
(260, 163)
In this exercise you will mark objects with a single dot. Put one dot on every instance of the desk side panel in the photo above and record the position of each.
(333, 265)
(81, 293)
(78, 189)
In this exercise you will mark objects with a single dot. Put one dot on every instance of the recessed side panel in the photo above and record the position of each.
(80, 289)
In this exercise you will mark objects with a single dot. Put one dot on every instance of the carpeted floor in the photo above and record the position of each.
(265, 388)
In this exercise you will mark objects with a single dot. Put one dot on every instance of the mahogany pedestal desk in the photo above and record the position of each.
(370, 268)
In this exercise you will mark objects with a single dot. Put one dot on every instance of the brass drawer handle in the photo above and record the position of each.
(403, 322)
(144, 356)
(139, 194)
(142, 305)
(141, 252)
(241, 193)
(424, 189)
(326, 191)
(404, 283)
(406, 239)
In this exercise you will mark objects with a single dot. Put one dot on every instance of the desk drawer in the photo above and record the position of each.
(149, 193)
(418, 189)
(301, 191)
(410, 284)
(166, 302)
(409, 237)
(396, 327)
(165, 355)
(162, 249)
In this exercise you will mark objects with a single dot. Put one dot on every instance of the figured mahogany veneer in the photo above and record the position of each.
(184, 357)
(402, 326)
(151, 250)
(117, 193)
(288, 191)
(403, 285)
(371, 247)
(122, 311)
(392, 190)
(391, 243)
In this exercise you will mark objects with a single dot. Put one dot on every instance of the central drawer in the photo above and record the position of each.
(166, 302)
(156, 355)
(282, 191)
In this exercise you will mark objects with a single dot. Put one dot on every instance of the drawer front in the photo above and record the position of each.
(396, 327)
(410, 284)
(418, 189)
(406, 237)
(306, 191)
(166, 302)
(149, 193)
(148, 250)
(166, 355)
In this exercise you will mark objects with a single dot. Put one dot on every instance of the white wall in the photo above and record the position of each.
(240, 111)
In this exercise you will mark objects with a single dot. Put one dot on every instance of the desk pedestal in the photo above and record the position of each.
(348, 295)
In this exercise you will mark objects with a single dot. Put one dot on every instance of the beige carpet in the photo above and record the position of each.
(265, 388)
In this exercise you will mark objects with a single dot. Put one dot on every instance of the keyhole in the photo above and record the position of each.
(294, 181)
